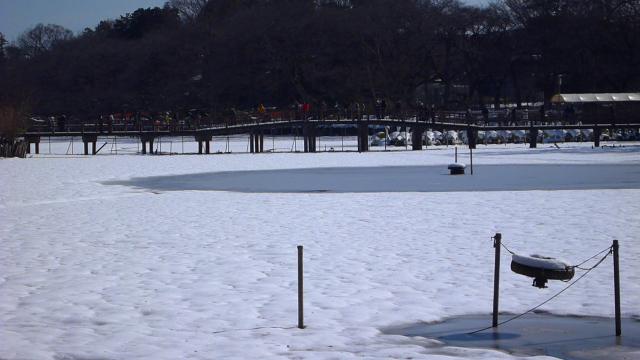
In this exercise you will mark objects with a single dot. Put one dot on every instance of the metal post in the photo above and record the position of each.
(616, 286)
(300, 290)
(533, 138)
(471, 159)
(496, 277)
(456, 155)
(406, 138)
(306, 141)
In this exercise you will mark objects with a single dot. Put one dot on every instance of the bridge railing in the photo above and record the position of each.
(500, 117)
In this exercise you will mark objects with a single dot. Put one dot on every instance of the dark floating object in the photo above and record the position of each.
(456, 168)
(541, 269)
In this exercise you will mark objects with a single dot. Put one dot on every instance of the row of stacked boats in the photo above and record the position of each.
(451, 137)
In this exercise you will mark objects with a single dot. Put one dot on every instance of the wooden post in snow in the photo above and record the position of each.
(496, 277)
(300, 290)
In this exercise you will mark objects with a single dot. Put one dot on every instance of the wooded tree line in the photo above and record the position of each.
(218, 54)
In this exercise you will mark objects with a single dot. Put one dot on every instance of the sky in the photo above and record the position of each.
(18, 15)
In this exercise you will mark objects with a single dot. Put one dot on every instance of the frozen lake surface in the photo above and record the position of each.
(89, 271)
(565, 337)
(402, 179)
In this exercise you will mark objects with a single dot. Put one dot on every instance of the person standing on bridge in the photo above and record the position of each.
(485, 114)
(433, 112)
(261, 112)
(306, 109)
(112, 119)
(512, 117)
(469, 116)
(62, 123)
(398, 110)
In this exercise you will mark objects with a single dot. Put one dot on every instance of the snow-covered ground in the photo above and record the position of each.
(93, 271)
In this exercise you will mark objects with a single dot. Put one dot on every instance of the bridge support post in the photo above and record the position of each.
(261, 142)
(251, 143)
(146, 139)
(314, 139)
(306, 143)
(204, 140)
(416, 137)
(472, 137)
(309, 133)
(256, 143)
(533, 138)
(363, 137)
(89, 138)
(596, 136)
(33, 140)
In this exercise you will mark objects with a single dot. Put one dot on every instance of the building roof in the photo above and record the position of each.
(595, 98)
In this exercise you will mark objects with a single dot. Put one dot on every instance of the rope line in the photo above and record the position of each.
(551, 298)
(571, 266)
(506, 248)
(609, 249)
(503, 245)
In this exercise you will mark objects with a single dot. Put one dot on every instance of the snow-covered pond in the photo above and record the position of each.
(94, 271)
(403, 179)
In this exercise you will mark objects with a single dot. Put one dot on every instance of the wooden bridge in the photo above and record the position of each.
(309, 128)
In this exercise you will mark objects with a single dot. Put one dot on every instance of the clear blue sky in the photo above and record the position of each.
(18, 15)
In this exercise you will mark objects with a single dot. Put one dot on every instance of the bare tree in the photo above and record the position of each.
(42, 38)
(188, 9)
(12, 120)
(3, 42)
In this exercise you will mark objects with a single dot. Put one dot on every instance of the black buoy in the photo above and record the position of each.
(541, 269)
(456, 169)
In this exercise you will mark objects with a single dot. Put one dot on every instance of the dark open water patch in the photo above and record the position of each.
(565, 337)
(401, 179)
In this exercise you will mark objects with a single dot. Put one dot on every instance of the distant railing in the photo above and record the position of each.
(500, 117)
